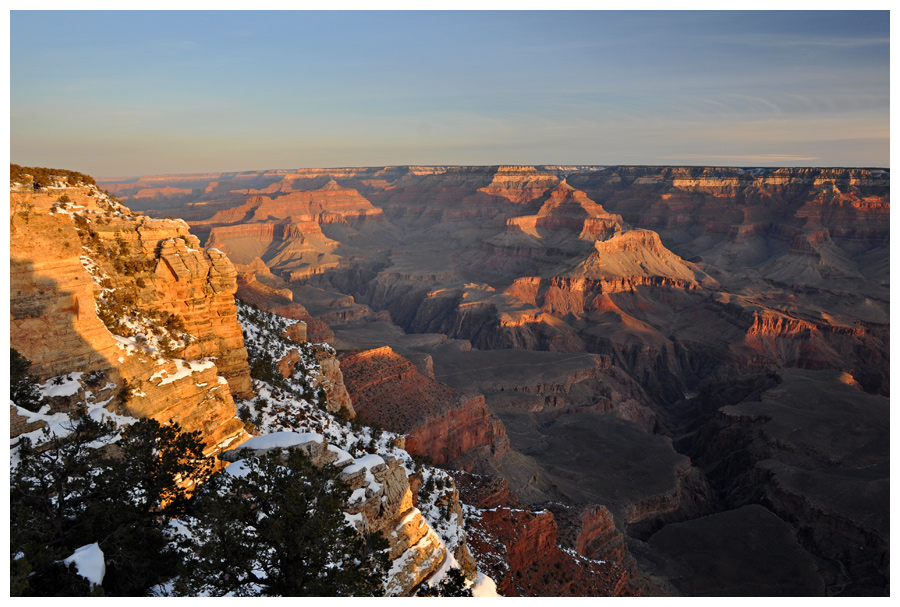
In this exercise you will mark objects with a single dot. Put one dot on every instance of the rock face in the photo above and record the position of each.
(528, 556)
(79, 272)
(53, 321)
(522, 544)
(451, 427)
(330, 378)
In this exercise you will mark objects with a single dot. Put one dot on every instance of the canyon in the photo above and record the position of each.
(622, 364)
(123, 317)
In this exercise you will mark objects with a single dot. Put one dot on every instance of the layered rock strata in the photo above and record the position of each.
(77, 272)
(451, 427)
(683, 278)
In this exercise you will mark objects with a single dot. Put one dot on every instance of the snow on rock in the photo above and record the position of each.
(364, 462)
(484, 586)
(89, 563)
(238, 468)
(185, 369)
(69, 385)
(342, 456)
(427, 555)
(281, 440)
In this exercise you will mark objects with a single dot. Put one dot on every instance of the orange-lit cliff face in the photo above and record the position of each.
(690, 283)
(77, 271)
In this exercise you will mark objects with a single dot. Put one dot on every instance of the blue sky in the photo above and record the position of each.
(130, 93)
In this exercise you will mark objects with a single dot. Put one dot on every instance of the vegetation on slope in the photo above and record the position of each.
(44, 176)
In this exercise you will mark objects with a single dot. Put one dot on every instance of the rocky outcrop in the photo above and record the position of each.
(98, 289)
(518, 549)
(519, 184)
(199, 288)
(381, 502)
(567, 209)
(451, 427)
(334, 386)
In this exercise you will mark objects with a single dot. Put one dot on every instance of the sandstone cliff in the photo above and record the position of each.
(96, 288)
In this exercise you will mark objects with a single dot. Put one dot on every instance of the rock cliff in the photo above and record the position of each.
(96, 288)
(451, 427)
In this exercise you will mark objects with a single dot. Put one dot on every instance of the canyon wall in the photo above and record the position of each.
(688, 283)
(452, 428)
(95, 288)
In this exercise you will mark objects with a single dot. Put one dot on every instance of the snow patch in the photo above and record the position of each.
(484, 586)
(68, 386)
(238, 468)
(89, 563)
(184, 369)
(364, 462)
(281, 440)
(343, 456)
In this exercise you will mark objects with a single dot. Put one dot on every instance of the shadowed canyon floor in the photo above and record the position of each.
(701, 351)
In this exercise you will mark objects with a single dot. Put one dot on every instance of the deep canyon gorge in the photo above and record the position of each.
(647, 380)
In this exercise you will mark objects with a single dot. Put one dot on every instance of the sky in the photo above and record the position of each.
(116, 94)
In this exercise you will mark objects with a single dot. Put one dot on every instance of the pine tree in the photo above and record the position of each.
(23, 388)
(454, 584)
(79, 489)
(51, 491)
(279, 530)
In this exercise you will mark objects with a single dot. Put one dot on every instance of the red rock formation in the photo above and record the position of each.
(522, 549)
(567, 208)
(451, 427)
(519, 184)
(329, 204)
(517, 548)
(164, 192)
(599, 539)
